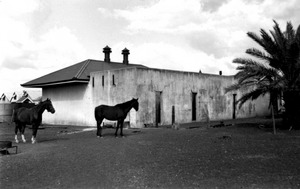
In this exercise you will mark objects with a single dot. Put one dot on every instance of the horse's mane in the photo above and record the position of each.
(40, 104)
(125, 104)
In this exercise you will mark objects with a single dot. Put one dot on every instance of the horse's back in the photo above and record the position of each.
(101, 108)
(21, 114)
(108, 112)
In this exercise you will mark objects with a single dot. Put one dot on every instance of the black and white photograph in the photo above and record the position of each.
(149, 94)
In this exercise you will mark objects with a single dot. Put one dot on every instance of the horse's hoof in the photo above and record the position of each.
(24, 141)
(17, 141)
(33, 142)
(99, 136)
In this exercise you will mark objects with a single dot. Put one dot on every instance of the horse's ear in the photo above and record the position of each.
(137, 99)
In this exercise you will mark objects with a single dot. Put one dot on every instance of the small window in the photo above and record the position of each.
(103, 80)
(113, 80)
(93, 81)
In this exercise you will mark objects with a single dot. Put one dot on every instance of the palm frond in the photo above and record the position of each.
(256, 38)
(269, 44)
(246, 61)
(278, 36)
(290, 32)
(297, 37)
(258, 54)
(232, 87)
(252, 95)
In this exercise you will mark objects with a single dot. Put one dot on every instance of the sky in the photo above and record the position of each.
(38, 37)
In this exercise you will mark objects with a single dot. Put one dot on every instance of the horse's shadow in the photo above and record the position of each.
(129, 133)
(46, 140)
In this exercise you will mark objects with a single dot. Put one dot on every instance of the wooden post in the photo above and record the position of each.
(273, 119)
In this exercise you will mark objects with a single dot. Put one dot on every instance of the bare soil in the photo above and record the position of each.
(244, 154)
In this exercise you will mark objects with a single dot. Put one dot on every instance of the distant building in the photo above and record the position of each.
(165, 96)
(4, 98)
(17, 100)
(22, 97)
(26, 97)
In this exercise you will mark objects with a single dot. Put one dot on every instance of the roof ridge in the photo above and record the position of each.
(81, 70)
(112, 62)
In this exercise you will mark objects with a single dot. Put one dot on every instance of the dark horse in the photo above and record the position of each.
(30, 116)
(114, 113)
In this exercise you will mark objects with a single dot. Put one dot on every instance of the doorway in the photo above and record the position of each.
(233, 106)
(173, 115)
(158, 95)
(194, 106)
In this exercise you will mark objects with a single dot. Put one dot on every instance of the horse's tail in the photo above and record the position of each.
(95, 113)
(13, 116)
(98, 112)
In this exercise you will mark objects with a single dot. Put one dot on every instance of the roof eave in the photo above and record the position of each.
(41, 85)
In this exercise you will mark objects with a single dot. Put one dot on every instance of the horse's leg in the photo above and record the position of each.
(116, 133)
(16, 132)
(34, 131)
(99, 128)
(121, 127)
(22, 130)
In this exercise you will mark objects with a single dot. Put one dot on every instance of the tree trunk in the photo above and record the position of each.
(292, 104)
(273, 119)
(274, 102)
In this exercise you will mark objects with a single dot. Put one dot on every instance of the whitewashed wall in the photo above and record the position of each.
(72, 104)
(75, 103)
(176, 88)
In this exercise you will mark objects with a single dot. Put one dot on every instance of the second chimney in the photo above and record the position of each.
(125, 53)
(107, 51)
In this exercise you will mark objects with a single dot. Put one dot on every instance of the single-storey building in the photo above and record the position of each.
(165, 96)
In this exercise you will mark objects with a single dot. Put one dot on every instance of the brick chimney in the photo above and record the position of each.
(107, 51)
(125, 53)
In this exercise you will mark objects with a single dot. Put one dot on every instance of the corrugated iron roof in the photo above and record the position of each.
(24, 98)
(77, 73)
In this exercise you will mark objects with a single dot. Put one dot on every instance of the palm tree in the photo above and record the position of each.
(274, 70)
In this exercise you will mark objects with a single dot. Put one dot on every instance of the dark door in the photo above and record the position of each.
(173, 115)
(194, 106)
(158, 107)
(233, 106)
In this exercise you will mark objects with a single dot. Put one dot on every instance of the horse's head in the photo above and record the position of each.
(135, 104)
(49, 107)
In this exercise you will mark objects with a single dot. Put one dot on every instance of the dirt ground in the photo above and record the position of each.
(243, 155)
